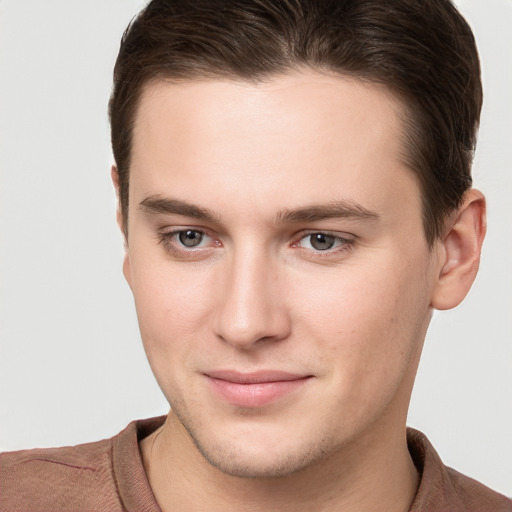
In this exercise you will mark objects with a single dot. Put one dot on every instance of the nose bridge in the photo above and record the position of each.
(251, 306)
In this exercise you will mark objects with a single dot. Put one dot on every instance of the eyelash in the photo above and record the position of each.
(167, 240)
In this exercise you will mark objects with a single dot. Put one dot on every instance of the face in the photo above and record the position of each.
(279, 267)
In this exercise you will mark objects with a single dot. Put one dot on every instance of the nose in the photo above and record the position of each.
(251, 304)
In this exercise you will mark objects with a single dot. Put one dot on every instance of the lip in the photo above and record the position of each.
(254, 389)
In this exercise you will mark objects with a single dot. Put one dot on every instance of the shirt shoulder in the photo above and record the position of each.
(442, 488)
(474, 496)
(69, 478)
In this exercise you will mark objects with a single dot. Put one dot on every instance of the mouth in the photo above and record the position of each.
(256, 389)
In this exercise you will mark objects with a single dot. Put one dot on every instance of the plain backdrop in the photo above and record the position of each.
(72, 367)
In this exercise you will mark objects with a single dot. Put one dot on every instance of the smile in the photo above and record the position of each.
(254, 389)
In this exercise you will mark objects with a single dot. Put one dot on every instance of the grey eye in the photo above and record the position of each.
(321, 241)
(190, 238)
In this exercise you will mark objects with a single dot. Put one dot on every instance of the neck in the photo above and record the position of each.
(373, 473)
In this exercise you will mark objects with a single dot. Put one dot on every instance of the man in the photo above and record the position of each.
(294, 189)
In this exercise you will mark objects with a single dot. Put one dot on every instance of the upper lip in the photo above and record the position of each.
(257, 377)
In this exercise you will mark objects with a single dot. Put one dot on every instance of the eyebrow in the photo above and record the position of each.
(335, 209)
(332, 210)
(169, 206)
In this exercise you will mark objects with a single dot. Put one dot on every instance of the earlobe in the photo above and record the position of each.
(460, 252)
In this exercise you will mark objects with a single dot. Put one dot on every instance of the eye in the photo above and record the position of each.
(323, 242)
(185, 241)
(190, 237)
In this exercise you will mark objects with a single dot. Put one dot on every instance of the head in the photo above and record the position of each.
(294, 190)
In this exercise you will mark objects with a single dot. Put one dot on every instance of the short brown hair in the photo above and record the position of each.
(422, 50)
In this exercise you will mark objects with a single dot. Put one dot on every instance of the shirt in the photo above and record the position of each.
(109, 475)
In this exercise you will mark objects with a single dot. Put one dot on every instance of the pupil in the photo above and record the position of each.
(321, 241)
(190, 238)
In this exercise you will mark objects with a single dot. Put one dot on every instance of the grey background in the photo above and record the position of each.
(72, 368)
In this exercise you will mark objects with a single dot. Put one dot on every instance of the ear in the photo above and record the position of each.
(459, 252)
(114, 173)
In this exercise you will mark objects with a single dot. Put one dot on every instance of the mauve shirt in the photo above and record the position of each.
(109, 476)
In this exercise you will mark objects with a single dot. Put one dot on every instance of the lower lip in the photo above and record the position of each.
(254, 394)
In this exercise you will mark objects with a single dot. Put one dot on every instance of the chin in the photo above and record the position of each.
(261, 454)
(269, 465)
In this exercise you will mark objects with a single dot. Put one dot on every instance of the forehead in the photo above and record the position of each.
(331, 106)
(306, 132)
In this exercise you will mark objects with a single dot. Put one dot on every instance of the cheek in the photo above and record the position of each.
(172, 314)
(370, 320)
(172, 309)
(368, 333)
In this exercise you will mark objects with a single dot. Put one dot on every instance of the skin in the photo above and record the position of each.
(255, 294)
